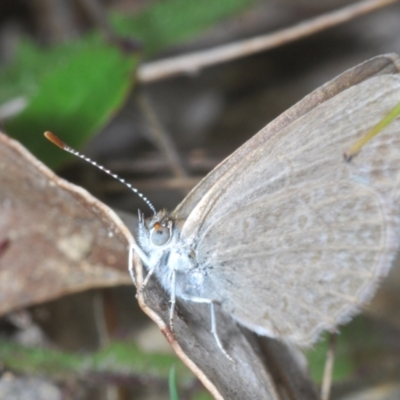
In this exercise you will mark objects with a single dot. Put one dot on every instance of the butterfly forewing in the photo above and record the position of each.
(387, 64)
(292, 238)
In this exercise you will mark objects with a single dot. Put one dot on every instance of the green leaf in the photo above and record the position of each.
(173, 390)
(75, 99)
(169, 22)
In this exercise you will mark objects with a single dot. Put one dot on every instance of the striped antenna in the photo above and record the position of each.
(58, 142)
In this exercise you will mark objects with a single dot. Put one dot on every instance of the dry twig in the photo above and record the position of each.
(194, 62)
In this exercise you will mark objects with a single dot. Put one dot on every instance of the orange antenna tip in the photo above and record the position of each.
(55, 139)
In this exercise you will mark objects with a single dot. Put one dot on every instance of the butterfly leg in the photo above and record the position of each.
(146, 279)
(172, 300)
(213, 320)
(133, 247)
(130, 264)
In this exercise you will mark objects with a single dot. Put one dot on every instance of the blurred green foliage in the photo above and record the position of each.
(121, 359)
(118, 360)
(126, 359)
(75, 88)
(360, 345)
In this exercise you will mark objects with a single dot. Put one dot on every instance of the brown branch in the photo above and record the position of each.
(194, 62)
(161, 138)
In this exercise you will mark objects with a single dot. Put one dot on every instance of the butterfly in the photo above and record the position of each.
(284, 235)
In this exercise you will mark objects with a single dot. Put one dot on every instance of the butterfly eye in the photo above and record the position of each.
(160, 234)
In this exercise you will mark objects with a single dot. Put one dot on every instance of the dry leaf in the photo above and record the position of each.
(55, 238)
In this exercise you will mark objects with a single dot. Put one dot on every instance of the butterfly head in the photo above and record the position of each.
(157, 232)
(161, 232)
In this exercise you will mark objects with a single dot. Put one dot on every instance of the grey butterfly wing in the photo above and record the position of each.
(381, 65)
(291, 239)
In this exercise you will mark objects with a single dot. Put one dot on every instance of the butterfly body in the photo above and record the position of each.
(173, 261)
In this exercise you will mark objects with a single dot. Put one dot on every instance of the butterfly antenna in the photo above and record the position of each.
(58, 142)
